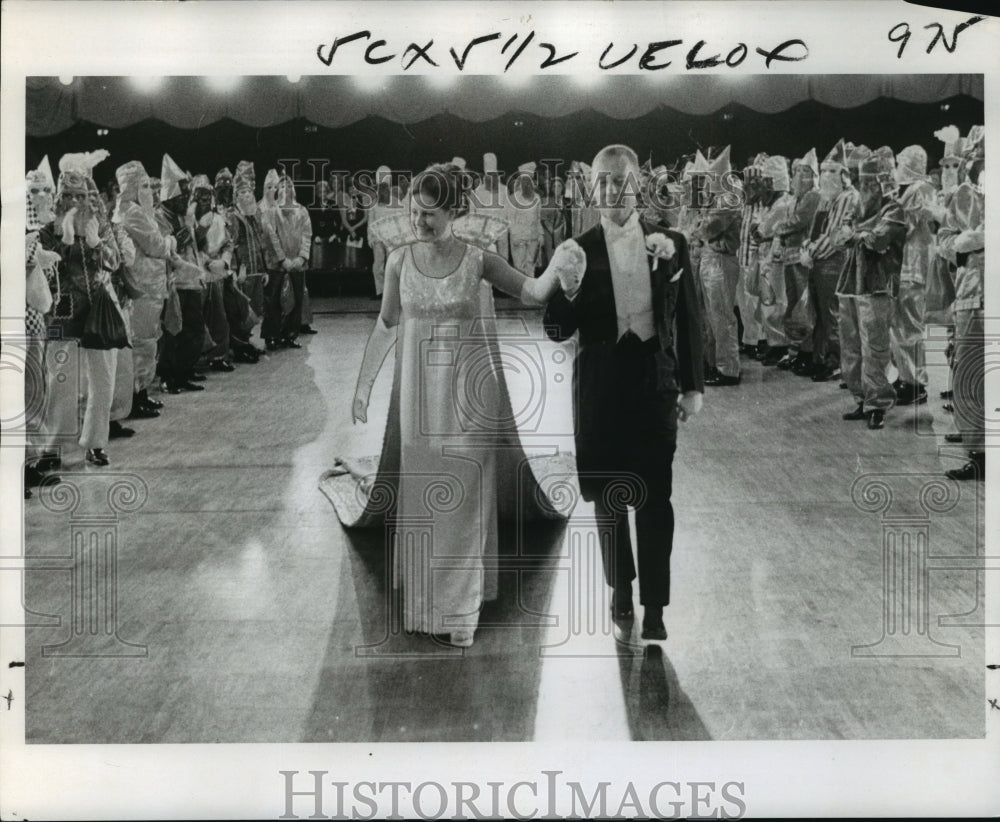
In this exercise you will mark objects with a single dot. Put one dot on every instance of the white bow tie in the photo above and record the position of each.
(614, 232)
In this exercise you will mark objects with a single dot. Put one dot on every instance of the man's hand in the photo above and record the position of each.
(286, 264)
(569, 262)
(689, 404)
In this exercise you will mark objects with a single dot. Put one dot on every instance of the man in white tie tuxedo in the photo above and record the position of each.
(628, 290)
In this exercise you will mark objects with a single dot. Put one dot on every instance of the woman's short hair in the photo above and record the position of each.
(442, 185)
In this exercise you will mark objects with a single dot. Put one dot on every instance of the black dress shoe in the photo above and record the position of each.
(947, 395)
(805, 369)
(947, 407)
(842, 385)
(822, 373)
(148, 401)
(762, 349)
(117, 431)
(876, 419)
(141, 411)
(220, 364)
(974, 469)
(722, 379)
(786, 362)
(652, 625)
(32, 476)
(49, 461)
(170, 387)
(858, 413)
(97, 456)
(190, 386)
(775, 355)
(246, 357)
(307, 329)
(272, 345)
(955, 438)
(195, 376)
(909, 394)
(290, 343)
(621, 604)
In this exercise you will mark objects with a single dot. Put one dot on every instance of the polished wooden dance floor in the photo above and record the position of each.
(234, 607)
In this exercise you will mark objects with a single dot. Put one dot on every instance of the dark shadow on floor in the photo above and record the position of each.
(657, 706)
(399, 687)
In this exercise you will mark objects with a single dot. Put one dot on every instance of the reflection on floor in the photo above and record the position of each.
(245, 613)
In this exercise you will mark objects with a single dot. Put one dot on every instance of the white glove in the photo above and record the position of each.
(68, 229)
(969, 240)
(92, 233)
(569, 262)
(381, 340)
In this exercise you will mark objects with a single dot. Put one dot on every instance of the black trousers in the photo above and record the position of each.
(182, 350)
(636, 472)
(271, 326)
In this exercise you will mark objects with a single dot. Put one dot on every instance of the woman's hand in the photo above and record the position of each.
(359, 411)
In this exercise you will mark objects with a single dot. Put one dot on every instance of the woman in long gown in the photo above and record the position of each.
(450, 396)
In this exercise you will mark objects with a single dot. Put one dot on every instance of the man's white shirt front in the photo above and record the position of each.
(629, 263)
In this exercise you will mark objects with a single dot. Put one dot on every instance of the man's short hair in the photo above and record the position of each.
(617, 150)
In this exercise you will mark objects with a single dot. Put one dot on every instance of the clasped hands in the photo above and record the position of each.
(569, 262)
(91, 231)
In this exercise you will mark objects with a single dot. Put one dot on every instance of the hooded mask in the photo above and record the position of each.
(171, 176)
(40, 196)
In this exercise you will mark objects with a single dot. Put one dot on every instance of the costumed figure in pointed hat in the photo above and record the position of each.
(214, 249)
(583, 214)
(918, 198)
(41, 274)
(184, 319)
(757, 189)
(961, 241)
(555, 222)
(868, 285)
(792, 232)
(249, 252)
(825, 259)
(490, 197)
(135, 221)
(628, 292)
(88, 257)
(720, 270)
(524, 216)
(379, 209)
(780, 206)
(290, 229)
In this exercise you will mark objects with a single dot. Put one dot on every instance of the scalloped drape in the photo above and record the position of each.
(337, 101)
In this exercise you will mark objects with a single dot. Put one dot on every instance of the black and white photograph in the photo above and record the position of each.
(559, 409)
